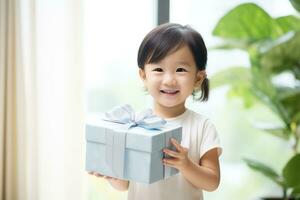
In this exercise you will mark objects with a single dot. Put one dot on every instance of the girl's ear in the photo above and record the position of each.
(201, 75)
(142, 74)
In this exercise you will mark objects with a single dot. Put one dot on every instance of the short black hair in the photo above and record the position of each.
(169, 37)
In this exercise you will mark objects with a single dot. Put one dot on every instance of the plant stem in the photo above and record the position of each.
(294, 132)
(285, 193)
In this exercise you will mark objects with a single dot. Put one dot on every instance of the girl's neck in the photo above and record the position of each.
(168, 112)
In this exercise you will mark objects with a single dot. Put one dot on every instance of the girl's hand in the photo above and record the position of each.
(118, 184)
(180, 159)
(103, 176)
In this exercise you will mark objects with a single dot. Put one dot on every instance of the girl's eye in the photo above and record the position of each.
(180, 69)
(157, 69)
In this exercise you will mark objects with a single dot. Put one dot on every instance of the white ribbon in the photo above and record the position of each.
(126, 115)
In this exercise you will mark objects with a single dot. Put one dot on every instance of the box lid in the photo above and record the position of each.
(137, 138)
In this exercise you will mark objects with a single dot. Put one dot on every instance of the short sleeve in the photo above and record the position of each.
(210, 138)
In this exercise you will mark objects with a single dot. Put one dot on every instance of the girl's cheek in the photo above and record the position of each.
(186, 80)
(154, 79)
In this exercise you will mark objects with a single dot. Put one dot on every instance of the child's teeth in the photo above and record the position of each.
(167, 91)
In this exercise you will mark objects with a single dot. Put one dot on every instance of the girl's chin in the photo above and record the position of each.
(170, 104)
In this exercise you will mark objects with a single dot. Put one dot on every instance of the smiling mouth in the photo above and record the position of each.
(170, 92)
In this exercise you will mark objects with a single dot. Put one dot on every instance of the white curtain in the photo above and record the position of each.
(41, 100)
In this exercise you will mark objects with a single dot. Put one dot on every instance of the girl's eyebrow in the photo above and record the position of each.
(183, 63)
(154, 65)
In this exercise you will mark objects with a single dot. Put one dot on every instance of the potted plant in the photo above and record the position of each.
(273, 46)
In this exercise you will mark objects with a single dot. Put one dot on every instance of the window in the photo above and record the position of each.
(112, 33)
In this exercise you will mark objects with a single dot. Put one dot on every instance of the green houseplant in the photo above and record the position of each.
(273, 46)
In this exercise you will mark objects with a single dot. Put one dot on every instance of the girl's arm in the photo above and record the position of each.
(206, 174)
(121, 185)
(118, 184)
(203, 175)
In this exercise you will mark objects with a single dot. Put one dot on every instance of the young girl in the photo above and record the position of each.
(172, 60)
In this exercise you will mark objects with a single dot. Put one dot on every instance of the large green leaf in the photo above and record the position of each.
(230, 76)
(286, 92)
(265, 170)
(288, 23)
(290, 99)
(243, 91)
(291, 172)
(273, 103)
(247, 22)
(296, 191)
(265, 91)
(239, 79)
(283, 55)
(274, 129)
(296, 4)
(232, 44)
(262, 81)
(262, 86)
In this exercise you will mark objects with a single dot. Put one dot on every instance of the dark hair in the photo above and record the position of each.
(168, 38)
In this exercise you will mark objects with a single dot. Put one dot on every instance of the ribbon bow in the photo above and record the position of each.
(126, 115)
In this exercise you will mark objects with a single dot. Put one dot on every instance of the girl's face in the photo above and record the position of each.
(173, 79)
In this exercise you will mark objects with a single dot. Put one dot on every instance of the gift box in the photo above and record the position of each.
(128, 146)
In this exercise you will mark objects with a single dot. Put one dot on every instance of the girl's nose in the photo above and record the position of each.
(169, 80)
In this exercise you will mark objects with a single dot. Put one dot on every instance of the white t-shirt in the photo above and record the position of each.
(199, 135)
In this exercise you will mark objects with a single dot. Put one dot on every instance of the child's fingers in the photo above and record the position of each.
(169, 162)
(103, 176)
(176, 144)
(172, 153)
(110, 178)
(98, 175)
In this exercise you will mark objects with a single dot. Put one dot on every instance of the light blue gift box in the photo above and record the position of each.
(133, 154)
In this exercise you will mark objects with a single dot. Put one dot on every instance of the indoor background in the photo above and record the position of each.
(65, 60)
